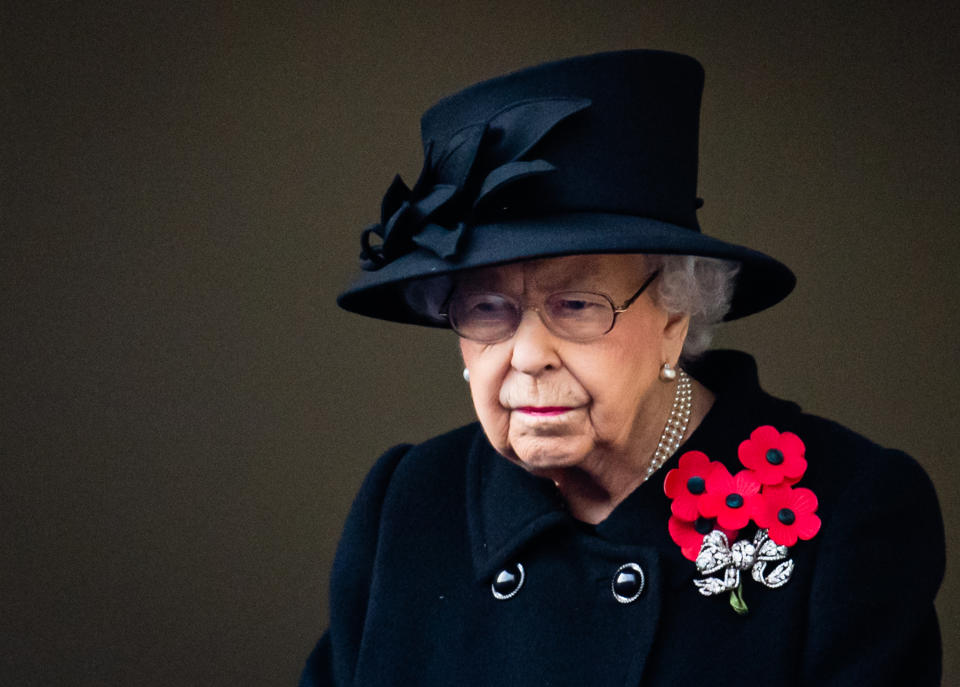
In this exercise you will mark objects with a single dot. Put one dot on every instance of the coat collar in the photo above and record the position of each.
(506, 507)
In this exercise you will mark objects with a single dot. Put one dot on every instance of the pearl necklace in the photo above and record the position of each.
(676, 425)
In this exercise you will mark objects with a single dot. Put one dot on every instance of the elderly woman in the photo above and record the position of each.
(630, 510)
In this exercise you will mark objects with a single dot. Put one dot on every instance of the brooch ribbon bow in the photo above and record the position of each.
(716, 554)
(461, 181)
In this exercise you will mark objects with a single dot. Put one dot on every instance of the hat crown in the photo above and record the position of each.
(632, 151)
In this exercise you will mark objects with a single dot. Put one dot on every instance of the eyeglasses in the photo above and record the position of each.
(491, 317)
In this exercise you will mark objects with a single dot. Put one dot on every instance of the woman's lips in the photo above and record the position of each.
(544, 411)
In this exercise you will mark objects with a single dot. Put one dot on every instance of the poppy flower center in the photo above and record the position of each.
(696, 485)
(734, 500)
(774, 456)
(786, 516)
(703, 525)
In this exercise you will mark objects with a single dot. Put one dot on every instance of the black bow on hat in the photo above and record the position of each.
(456, 184)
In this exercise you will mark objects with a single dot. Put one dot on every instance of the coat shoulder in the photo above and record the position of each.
(428, 475)
(850, 461)
(441, 456)
(434, 457)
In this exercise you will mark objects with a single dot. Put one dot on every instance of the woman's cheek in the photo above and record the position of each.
(494, 418)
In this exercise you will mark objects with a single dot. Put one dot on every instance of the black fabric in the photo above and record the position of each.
(411, 600)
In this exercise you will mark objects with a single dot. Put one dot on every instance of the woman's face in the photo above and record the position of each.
(550, 403)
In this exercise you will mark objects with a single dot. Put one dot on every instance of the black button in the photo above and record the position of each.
(774, 457)
(627, 583)
(508, 582)
(786, 516)
(696, 485)
(734, 500)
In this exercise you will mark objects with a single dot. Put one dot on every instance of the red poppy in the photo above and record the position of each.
(689, 535)
(730, 499)
(788, 514)
(774, 457)
(686, 483)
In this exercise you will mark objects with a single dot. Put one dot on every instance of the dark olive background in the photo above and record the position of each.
(185, 413)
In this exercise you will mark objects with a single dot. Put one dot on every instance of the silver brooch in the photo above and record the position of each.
(717, 555)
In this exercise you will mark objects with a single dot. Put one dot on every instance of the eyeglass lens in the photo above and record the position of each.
(489, 317)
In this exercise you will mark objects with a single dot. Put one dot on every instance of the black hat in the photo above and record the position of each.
(594, 154)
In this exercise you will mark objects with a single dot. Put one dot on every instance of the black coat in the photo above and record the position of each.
(433, 525)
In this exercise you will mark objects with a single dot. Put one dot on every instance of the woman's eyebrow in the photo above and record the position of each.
(479, 285)
(566, 280)
(569, 282)
(554, 281)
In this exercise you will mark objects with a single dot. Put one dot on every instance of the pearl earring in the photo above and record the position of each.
(667, 373)
(466, 375)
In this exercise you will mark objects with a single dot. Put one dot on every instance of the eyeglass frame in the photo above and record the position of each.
(617, 309)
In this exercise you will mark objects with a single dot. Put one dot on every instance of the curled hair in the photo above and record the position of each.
(697, 286)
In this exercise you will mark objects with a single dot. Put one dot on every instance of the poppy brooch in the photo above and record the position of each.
(710, 508)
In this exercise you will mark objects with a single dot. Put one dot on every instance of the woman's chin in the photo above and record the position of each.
(539, 454)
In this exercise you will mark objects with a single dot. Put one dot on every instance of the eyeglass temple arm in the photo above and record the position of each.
(635, 296)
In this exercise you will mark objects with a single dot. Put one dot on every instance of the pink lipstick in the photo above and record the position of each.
(544, 411)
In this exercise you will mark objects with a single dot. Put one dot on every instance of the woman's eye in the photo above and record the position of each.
(488, 307)
(575, 307)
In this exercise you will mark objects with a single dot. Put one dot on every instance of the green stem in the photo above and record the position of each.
(737, 602)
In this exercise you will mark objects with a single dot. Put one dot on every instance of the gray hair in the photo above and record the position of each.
(697, 286)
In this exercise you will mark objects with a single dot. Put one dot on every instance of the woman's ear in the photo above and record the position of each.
(674, 335)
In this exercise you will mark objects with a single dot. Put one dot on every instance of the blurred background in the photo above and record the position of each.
(185, 415)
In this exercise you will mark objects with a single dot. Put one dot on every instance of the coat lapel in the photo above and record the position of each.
(506, 508)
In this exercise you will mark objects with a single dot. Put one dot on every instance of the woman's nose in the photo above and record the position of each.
(534, 347)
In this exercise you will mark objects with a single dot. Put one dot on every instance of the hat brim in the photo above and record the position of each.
(761, 282)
